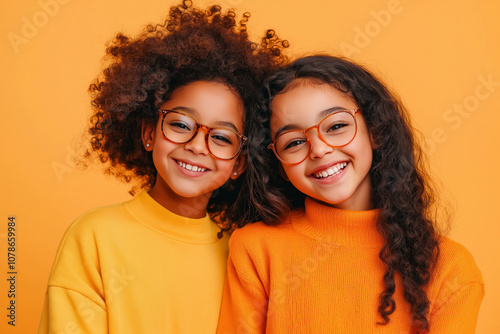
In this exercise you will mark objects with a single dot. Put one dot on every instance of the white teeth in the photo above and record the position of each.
(334, 170)
(191, 168)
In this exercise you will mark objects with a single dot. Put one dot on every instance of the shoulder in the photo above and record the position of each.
(258, 240)
(455, 269)
(455, 276)
(258, 233)
(455, 259)
(81, 242)
(253, 248)
(96, 221)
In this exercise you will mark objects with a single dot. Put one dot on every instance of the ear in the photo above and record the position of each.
(148, 135)
(239, 166)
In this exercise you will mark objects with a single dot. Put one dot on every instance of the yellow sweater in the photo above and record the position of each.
(136, 268)
(320, 272)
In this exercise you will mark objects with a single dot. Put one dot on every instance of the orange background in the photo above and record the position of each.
(442, 58)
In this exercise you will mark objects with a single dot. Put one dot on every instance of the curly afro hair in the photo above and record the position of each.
(142, 72)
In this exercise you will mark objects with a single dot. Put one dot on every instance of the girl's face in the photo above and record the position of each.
(187, 174)
(304, 105)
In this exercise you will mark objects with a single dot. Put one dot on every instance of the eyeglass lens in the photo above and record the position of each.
(336, 130)
(180, 128)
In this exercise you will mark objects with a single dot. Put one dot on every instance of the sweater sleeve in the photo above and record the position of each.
(459, 313)
(74, 301)
(244, 301)
(68, 311)
(460, 295)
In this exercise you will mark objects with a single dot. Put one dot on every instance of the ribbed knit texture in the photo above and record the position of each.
(136, 268)
(320, 272)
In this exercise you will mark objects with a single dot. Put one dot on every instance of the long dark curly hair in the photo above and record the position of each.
(142, 72)
(401, 187)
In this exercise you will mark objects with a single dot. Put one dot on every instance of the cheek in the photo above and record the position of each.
(158, 156)
(363, 151)
(292, 173)
(225, 167)
(363, 143)
(283, 172)
(162, 149)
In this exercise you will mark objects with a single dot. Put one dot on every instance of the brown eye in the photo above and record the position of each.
(336, 126)
(294, 143)
(179, 126)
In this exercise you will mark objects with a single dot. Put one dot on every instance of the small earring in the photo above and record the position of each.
(235, 173)
(147, 145)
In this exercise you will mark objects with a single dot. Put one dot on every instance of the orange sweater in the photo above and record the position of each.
(320, 272)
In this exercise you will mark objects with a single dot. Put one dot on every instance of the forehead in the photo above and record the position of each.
(303, 103)
(208, 102)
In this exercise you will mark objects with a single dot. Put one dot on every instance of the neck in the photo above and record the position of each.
(157, 217)
(337, 226)
(350, 205)
(195, 207)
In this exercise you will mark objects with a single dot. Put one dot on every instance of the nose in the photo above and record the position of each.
(318, 147)
(198, 144)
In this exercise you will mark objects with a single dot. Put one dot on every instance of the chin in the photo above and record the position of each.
(337, 201)
(189, 194)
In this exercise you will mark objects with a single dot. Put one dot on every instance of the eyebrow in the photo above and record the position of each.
(321, 115)
(193, 112)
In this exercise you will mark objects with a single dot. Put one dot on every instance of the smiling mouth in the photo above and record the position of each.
(331, 171)
(190, 167)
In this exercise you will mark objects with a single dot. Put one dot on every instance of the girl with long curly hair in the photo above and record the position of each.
(348, 242)
(172, 111)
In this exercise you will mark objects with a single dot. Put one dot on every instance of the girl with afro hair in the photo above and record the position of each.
(359, 253)
(173, 112)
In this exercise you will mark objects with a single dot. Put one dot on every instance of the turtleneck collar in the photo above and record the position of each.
(337, 226)
(158, 218)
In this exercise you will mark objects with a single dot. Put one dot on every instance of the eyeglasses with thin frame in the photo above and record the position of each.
(336, 130)
(180, 128)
